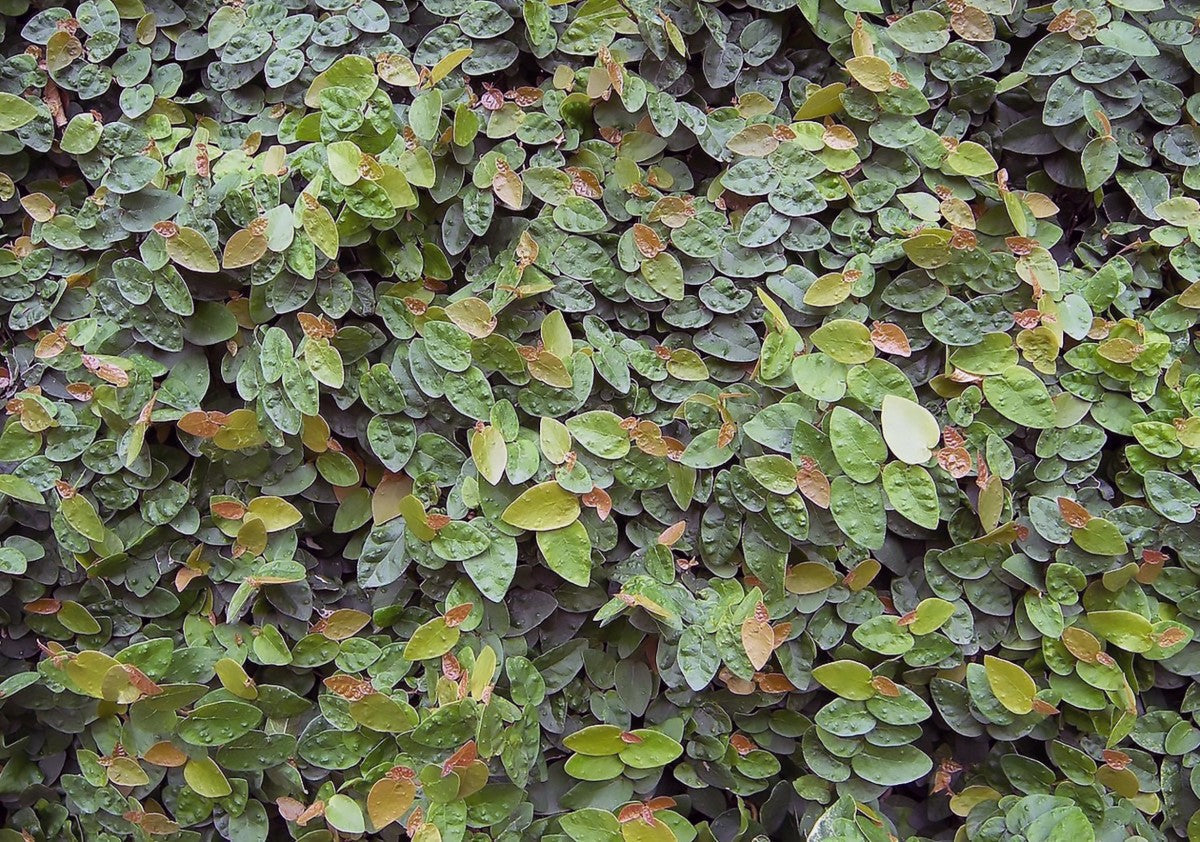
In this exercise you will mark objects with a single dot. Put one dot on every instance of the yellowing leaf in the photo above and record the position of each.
(758, 640)
(190, 250)
(543, 507)
(275, 512)
(849, 679)
(447, 64)
(821, 103)
(910, 430)
(568, 552)
(508, 187)
(490, 454)
(243, 249)
(206, 778)
(872, 72)
(1011, 684)
(388, 800)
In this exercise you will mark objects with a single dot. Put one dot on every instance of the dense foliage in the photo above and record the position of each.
(599, 420)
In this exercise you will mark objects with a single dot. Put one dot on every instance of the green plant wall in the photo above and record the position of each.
(599, 420)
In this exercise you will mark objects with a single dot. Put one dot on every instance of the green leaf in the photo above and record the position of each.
(859, 448)
(15, 112)
(20, 488)
(568, 552)
(542, 508)
(1020, 396)
(912, 493)
(848, 679)
(432, 640)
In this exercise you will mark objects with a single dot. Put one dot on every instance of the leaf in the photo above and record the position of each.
(664, 275)
(1011, 684)
(490, 454)
(190, 250)
(1021, 397)
(20, 488)
(848, 679)
(275, 513)
(758, 640)
(930, 615)
(243, 249)
(448, 63)
(912, 493)
(600, 432)
(388, 801)
(910, 430)
(432, 640)
(857, 445)
(542, 508)
(568, 552)
(508, 187)
(15, 112)
(205, 778)
(81, 514)
(1100, 537)
(969, 158)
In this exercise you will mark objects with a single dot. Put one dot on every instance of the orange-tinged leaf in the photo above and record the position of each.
(671, 535)
(458, 614)
(243, 248)
(202, 424)
(349, 687)
(165, 754)
(599, 500)
(890, 339)
(647, 241)
(507, 185)
(1074, 514)
(388, 800)
(758, 640)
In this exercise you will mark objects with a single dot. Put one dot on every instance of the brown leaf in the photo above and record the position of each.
(202, 424)
(773, 682)
(47, 606)
(229, 509)
(349, 687)
(742, 744)
(458, 614)
(1115, 759)
(165, 754)
(461, 759)
(890, 339)
(648, 243)
(1074, 514)
(956, 461)
(106, 371)
(316, 327)
(584, 183)
(813, 483)
(884, 686)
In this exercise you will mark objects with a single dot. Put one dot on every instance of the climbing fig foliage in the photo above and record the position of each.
(599, 420)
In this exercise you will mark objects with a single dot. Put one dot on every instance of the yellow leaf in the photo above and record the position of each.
(444, 67)
(388, 800)
(872, 72)
(1011, 684)
(243, 249)
(543, 507)
(758, 640)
